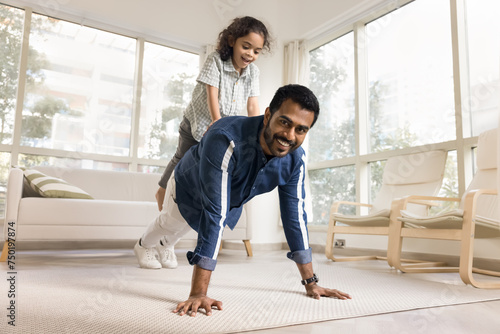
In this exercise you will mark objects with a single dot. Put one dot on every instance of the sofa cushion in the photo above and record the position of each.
(48, 186)
(108, 185)
(82, 212)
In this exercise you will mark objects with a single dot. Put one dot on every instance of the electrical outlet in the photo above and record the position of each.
(339, 243)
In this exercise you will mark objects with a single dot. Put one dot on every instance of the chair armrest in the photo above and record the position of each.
(335, 205)
(426, 203)
(14, 195)
(470, 201)
(400, 204)
(425, 200)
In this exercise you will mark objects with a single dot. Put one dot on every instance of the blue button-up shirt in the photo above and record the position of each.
(224, 171)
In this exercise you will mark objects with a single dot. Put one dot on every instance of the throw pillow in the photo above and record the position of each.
(48, 186)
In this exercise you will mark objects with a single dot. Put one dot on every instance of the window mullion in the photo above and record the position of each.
(461, 90)
(136, 108)
(21, 86)
(361, 112)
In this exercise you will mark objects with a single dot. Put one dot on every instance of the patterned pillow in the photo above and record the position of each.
(48, 186)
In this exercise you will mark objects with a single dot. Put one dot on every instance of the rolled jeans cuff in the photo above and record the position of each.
(301, 256)
(201, 261)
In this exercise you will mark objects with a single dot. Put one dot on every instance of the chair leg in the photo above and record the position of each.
(329, 249)
(329, 241)
(467, 255)
(410, 266)
(5, 251)
(248, 247)
(394, 240)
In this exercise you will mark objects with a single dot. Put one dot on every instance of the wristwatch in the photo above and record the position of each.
(309, 280)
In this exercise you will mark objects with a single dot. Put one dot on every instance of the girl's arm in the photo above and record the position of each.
(213, 102)
(253, 106)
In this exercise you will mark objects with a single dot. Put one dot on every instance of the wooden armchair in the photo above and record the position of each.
(476, 217)
(419, 173)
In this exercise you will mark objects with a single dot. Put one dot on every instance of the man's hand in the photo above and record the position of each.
(160, 197)
(198, 295)
(316, 292)
(196, 302)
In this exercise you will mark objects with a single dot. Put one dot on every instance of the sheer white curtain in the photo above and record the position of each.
(296, 63)
(296, 71)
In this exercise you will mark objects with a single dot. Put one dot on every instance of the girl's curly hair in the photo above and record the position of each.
(241, 26)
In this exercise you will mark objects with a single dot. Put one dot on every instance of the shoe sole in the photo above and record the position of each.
(168, 266)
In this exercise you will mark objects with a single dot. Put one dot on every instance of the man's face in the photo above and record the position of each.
(285, 131)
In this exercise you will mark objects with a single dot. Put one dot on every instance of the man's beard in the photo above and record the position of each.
(269, 139)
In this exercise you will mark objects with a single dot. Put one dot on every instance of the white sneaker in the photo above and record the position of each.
(146, 257)
(167, 256)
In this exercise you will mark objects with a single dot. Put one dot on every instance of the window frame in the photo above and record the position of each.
(464, 142)
(134, 163)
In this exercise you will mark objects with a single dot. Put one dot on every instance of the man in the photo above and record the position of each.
(237, 159)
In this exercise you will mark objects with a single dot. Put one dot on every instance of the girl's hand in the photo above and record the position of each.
(210, 126)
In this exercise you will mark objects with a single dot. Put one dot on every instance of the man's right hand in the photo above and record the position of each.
(196, 302)
(160, 197)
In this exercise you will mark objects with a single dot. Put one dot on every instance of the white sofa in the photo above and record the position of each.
(123, 205)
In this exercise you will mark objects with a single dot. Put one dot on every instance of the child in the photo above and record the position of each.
(227, 84)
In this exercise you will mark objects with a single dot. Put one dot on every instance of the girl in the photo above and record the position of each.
(227, 84)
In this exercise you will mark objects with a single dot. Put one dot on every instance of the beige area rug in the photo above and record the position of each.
(104, 291)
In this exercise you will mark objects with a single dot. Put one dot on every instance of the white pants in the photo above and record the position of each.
(169, 223)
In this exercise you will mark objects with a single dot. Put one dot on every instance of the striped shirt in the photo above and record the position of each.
(234, 91)
(224, 171)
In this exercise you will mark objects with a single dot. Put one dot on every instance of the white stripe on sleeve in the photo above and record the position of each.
(223, 199)
(300, 209)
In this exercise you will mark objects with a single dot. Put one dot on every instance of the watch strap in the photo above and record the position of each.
(314, 278)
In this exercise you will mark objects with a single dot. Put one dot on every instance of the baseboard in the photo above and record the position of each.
(73, 244)
(123, 244)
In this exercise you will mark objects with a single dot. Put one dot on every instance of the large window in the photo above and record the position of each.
(83, 96)
(330, 185)
(410, 76)
(80, 102)
(396, 91)
(11, 28)
(81, 91)
(11, 31)
(168, 80)
(332, 81)
(483, 31)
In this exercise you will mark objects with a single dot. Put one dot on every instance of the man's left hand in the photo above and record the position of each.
(316, 292)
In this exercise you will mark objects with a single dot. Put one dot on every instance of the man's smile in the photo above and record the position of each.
(283, 142)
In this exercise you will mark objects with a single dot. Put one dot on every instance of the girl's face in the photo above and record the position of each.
(246, 49)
